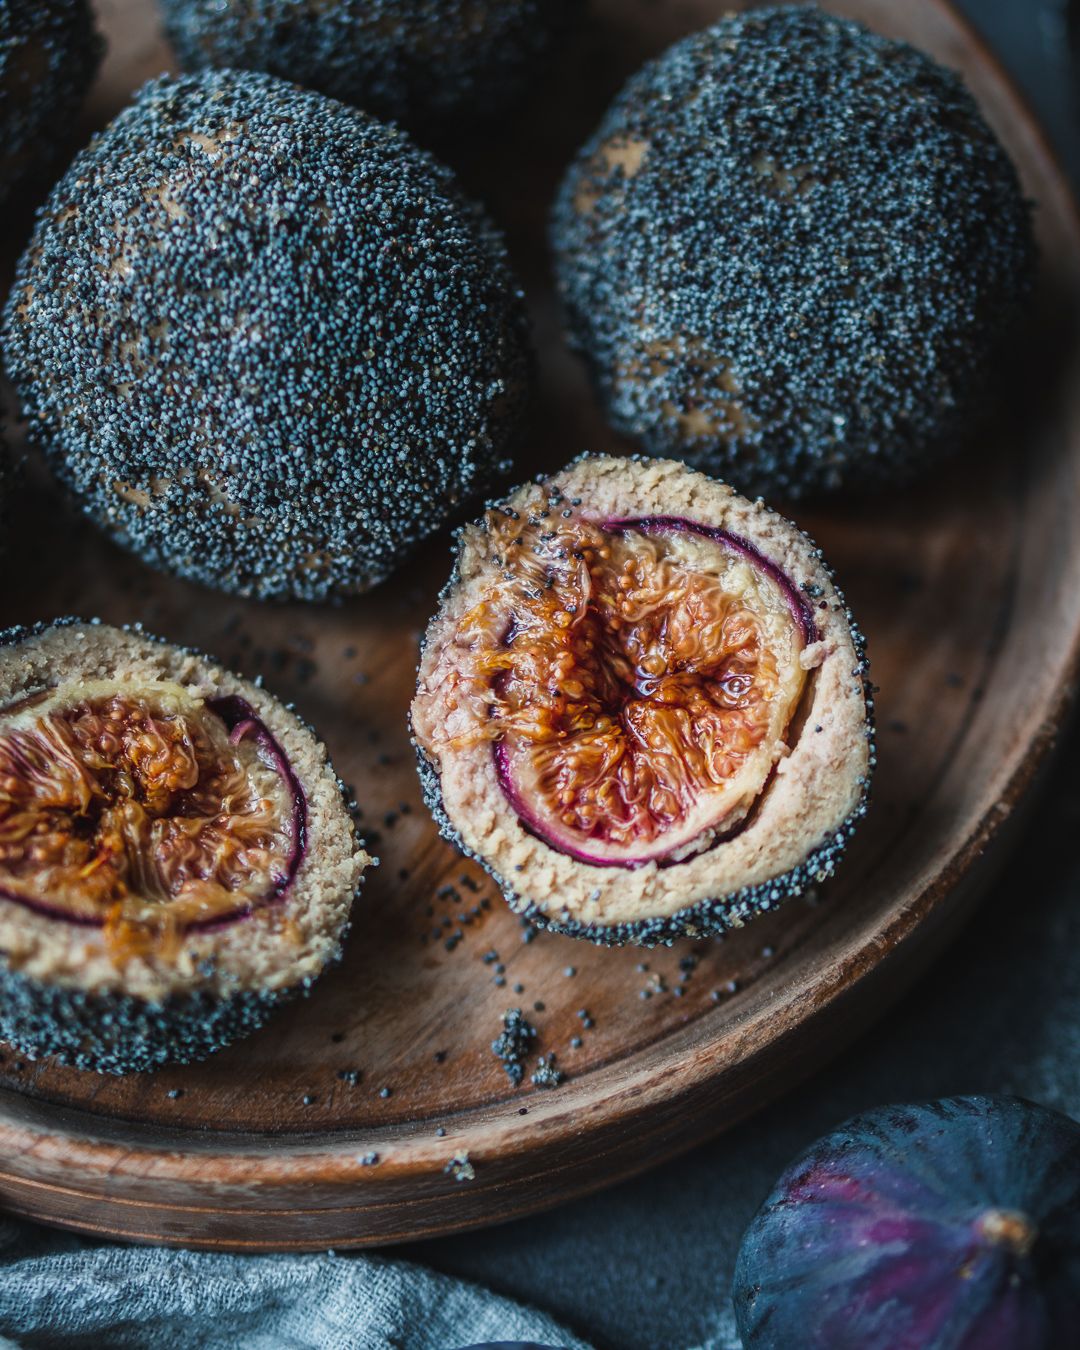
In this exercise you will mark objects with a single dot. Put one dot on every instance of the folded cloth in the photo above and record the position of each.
(58, 1290)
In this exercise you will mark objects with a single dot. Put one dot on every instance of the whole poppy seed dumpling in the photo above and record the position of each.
(422, 62)
(263, 339)
(789, 252)
(49, 54)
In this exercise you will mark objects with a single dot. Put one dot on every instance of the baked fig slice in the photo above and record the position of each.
(643, 704)
(176, 853)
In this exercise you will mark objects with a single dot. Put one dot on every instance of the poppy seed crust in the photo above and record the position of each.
(49, 54)
(63, 989)
(421, 62)
(263, 339)
(113, 1033)
(789, 252)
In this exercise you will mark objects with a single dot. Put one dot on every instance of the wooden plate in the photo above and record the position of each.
(969, 590)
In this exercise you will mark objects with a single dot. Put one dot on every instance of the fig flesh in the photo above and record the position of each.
(140, 809)
(177, 854)
(643, 704)
(640, 675)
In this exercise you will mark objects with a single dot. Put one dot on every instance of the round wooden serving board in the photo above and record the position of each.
(968, 588)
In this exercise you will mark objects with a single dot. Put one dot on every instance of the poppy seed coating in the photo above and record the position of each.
(262, 338)
(421, 62)
(789, 251)
(49, 54)
(113, 1033)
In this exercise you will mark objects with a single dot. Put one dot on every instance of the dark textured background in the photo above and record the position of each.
(647, 1265)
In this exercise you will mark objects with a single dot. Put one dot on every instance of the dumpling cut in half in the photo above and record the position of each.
(176, 854)
(643, 704)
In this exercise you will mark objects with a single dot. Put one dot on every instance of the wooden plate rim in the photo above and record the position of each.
(80, 1139)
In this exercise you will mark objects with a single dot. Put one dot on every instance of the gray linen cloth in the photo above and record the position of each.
(57, 1290)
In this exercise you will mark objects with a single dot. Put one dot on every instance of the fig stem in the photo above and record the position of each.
(1009, 1228)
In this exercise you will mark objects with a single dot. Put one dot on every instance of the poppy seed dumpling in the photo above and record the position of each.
(49, 54)
(263, 339)
(790, 252)
(420, 62)
(177, 857)
(642, 704)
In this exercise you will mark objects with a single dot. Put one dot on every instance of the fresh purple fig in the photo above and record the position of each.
(953, 1225)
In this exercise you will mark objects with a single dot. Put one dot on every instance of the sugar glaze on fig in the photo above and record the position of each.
(613, 699)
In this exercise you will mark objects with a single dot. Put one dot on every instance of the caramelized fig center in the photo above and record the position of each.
(639, 678)
(138, 807)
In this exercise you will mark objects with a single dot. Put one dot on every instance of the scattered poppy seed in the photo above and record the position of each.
(546, 1075)
(460, 1168)
(511, 1045)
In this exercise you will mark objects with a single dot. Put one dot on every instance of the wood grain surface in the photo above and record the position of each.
(968, 587)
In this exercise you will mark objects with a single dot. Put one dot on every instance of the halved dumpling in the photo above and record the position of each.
(642, 704)
(176, 856)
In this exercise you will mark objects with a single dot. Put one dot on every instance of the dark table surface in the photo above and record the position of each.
(648, 1263)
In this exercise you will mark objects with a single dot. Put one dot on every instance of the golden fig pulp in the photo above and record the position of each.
(637, 678)
(136, 807)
